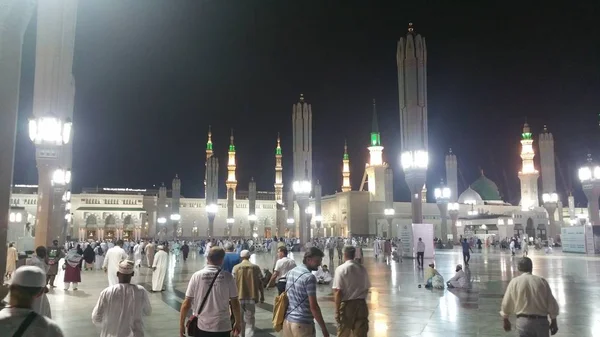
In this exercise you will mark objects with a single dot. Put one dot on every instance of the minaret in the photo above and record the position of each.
(452, 175)
(346, 170)
(231, 182)
(278, 173)
(375, 170)
(547, 162)
(302, 134)
(209, 153)
(528, 174)
(411, 58)
(175, 216)
(212, 193)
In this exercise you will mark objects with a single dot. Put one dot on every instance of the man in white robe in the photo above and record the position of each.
(120, 307)
(160, 265)
(376, 248)
(112, 259)
(100, 251)
(137, 254)
(149, 249)
(459, 280)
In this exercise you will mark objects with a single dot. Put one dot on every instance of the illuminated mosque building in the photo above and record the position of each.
(163, 213)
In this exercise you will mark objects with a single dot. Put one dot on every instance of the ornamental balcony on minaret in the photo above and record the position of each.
(231, 182)
(346, 187)
(528, 174)
(278, 172)
(209, 153)
(375, 170)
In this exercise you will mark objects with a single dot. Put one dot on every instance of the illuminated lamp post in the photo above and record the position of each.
(230, 222)
(211, 211)
(414, 164)
(389, 215)
(589, 175)
(453, 210)
(175, 217)
(442, 196)
(310, 211)
(302, 189)
(550, 201)
(252, 221)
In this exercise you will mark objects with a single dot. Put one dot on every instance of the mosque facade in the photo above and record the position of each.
(111, 213)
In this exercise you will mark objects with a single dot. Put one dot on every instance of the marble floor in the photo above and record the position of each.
(398, 307)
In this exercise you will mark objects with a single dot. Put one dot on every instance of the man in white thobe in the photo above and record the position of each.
(112, 259)
(376, 248)
(459, 280)
(161, 262)
(149, 249)
(120, 307)
(137, 254)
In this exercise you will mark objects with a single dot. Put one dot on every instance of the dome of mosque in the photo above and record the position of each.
(469, 196)
(486, 188)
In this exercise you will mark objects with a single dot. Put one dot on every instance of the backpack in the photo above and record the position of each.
(100, 251)
(280, 307)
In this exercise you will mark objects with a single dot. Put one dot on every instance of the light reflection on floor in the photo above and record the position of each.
(398, 307)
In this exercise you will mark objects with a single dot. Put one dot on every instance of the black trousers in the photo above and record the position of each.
(213, 334)
(420, 256)
(281, 286)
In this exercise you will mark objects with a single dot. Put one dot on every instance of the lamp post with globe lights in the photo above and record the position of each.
(453, 210)
(252, 221)
(389, 215)
(414, 164)
(589, 175)
(310, 211)
(211, 211)
(175, 217)
(442, 196)
(550, 201)
(50, 134)
(302, 189)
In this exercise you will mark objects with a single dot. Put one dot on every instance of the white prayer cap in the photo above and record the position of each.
(126, 267)
(29, 276)
(459, 266)
(160, 247)
(245, 253)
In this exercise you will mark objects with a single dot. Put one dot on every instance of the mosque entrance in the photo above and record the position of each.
(541, 231)
(110, 233)
(91, 235)
(530, 229)
(128, 234)
(267, 232)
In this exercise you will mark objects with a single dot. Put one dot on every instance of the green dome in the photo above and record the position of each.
(487, 189)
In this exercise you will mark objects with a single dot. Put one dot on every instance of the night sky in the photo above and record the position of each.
(151, 76)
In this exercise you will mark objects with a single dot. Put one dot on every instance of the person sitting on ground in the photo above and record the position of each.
(459, 280)
(323, 275)
(433, 279)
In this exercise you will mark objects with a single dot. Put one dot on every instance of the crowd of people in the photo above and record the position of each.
(224, 294)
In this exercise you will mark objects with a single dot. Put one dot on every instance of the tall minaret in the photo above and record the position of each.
(411, 58)
(209, 153)
(346, 187)
(278, 173)
(547, 161)
(375, 170)
(175, 216)
(452, 175)
(528, 174)
(231, 182)
(302, 134)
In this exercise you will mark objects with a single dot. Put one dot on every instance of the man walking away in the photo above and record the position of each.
(282, 267)
(120, 307)
(248, 279)
(161, 263)
(113, 257)
(55, 253)
(420, 252)
(301, 289)
(214, 319)
(231, 258)
(530, 298)
(466, 248)
(330, 250)
(28, 282)
(350, 288)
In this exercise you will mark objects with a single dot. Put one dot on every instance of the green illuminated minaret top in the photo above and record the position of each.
(346, 157)
(375, 135)
(209, 142)
(278, 148)
(231, 146)
(526, 135)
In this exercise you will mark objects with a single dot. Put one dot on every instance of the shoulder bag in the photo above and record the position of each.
(192, 323)
(26, 323)
(281, 305)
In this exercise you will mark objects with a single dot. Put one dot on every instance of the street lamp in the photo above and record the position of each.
(414, 164)
(442, 196)
(211, 210)
(453, 210)
(310, 211)
(161, 220)
(175, 217)
(589, 175)
(389, 214)
(49, 134)
(550, 202)
(252, 221)
(302, 189)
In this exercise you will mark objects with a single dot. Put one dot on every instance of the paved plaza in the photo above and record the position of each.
(398, 307)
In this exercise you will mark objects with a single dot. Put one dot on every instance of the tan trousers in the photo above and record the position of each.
(354, 319)
(298, 329)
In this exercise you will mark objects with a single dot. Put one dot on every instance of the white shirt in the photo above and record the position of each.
(215, 314)
(119, 310)
(420, 247)
(11, 319)
(530, 295)
(352, 279)
(284, 265)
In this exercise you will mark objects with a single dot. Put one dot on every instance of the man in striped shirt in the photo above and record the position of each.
(303, 308)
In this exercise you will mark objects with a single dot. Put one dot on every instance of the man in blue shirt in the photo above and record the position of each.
(231, 258)
(303, 308)
(466, 252)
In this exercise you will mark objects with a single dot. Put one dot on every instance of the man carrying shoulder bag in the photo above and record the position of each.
(209, 293)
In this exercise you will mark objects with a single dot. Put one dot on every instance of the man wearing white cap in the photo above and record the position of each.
(120, 307)
(19, 319)
(459, 280)
(114, 256)
(161, 262)
(248, 279)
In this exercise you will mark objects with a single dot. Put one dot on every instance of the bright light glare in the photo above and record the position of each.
(252, 217)
(61, 177)
(302, 187)
(596, 172)
(500, 222)
(230, 220)
(255, 235)
(550, 197)
(389, 211)
(66, 132)
(162, 220)
(12, 217)
(290, 221)
(319, 218)
(585, 173)
(175, 217)
(212, 208)
(310, 210)
(414, 160)
(18, 217)
(453, 206)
